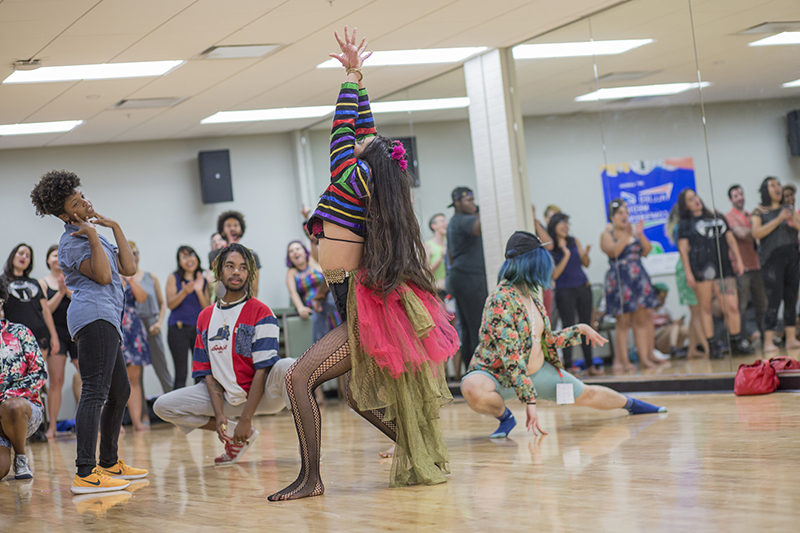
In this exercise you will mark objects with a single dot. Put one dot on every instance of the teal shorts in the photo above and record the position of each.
(544, 380)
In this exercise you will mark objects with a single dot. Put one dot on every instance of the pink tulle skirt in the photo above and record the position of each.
(388, 336)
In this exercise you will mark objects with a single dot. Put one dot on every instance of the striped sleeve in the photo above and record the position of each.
(201, 364)
(265, 340)
(352, 121)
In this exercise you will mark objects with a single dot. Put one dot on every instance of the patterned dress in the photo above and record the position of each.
(506, 341)
(135, 346)
(633, 288)
(308, 283)
(22, 373)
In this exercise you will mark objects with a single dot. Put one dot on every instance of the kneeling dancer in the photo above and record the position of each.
(396, 333)
(236, 352)
(517, 354)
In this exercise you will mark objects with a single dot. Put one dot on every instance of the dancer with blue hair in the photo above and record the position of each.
(517, 355)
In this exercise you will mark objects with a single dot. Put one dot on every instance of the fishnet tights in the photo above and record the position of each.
(327, 359)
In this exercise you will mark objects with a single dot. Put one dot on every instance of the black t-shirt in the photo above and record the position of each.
(24, 306)
(214, 253)
(465, 249)
(702, 234)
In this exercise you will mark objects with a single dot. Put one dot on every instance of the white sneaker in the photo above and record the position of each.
(660, 355)
(22, 470)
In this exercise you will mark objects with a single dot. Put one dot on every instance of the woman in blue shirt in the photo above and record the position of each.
(573, 293)
(92, 268)
(188, 293)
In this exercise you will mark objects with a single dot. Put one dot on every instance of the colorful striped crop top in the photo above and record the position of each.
(344, 202)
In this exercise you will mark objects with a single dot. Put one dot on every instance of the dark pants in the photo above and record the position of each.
(574, 306)
(751, 284)
(470, 293)
(105, 389)
(781, 273)
(181, 344)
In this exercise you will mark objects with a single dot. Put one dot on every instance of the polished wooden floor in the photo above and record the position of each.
(714, 463)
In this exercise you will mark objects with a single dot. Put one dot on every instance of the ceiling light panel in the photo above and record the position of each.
(795, 83)
(640, 91)
(579, 49)
(413, 57)
(787, 37)
(772, 27)
(291, 113)
(39, 127)
(103, 71)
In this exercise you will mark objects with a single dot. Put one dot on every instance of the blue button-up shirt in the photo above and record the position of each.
(90, 300)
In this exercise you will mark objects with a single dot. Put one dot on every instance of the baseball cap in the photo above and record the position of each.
(459, 193)
(522, 242)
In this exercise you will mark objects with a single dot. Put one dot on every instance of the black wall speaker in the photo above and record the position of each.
(793, 125)
(215, 176)
(410, 144)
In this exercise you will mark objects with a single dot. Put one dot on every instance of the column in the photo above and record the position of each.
(498, 146)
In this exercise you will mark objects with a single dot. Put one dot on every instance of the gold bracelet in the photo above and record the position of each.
(356, 71)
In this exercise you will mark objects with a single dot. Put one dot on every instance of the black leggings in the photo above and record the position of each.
(781, 273)
(105, 383)
(571, 302)
(181, 345)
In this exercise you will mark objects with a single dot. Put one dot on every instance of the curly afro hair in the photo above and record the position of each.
(52, 191)
(225, 216)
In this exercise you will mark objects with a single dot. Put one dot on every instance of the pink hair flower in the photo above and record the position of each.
(399, 155)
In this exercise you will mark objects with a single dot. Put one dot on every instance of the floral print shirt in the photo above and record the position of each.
(506, 341)
(22, 372)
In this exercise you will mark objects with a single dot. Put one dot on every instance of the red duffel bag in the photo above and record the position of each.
(757, 378)
(783, 363)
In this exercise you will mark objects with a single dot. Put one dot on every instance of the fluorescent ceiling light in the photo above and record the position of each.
(419, 105)
(787, 37)
(580, 49)
(39, 127)
(639, 91)
(289, 113)
(256, 115)
(104, 71)
(239, 51)
(795, 83)
(413, 57)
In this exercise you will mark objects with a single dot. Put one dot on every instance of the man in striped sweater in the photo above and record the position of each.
(236, 352)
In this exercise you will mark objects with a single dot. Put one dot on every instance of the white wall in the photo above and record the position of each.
(153, 190)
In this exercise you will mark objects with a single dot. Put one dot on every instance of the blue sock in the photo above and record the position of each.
(507, 423)
(638, 407)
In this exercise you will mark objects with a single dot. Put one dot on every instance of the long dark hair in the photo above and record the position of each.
(551, 230)
(189, 250)
(685, 212)
(766, 199)
(393, 250)
(9, 270)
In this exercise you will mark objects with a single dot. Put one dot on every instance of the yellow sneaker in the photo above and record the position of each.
(123, 471)
(97, 481)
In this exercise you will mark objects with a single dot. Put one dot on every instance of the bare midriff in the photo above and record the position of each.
(338, 254)
(536, 359)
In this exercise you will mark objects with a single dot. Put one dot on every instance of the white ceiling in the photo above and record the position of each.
(68, 32)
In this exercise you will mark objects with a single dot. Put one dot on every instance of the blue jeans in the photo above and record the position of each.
(320, 320)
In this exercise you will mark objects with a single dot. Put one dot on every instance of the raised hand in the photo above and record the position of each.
(62, 284)
(84, 226)
(106, 222)
(638, 229)
(353, 55)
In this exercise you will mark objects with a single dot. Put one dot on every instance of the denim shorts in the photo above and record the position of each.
(37, 415)
(544, 380)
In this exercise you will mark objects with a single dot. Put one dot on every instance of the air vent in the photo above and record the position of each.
(146, 103)
(772, 27)
(27, 64)
(239, 51)
(626, 75)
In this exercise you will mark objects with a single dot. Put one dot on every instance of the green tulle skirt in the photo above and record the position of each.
(411, 403)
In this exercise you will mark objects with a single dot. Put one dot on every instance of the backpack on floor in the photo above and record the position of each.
(756, 378)
(784, 363)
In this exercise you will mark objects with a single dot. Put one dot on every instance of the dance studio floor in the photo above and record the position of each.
(714, 463)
